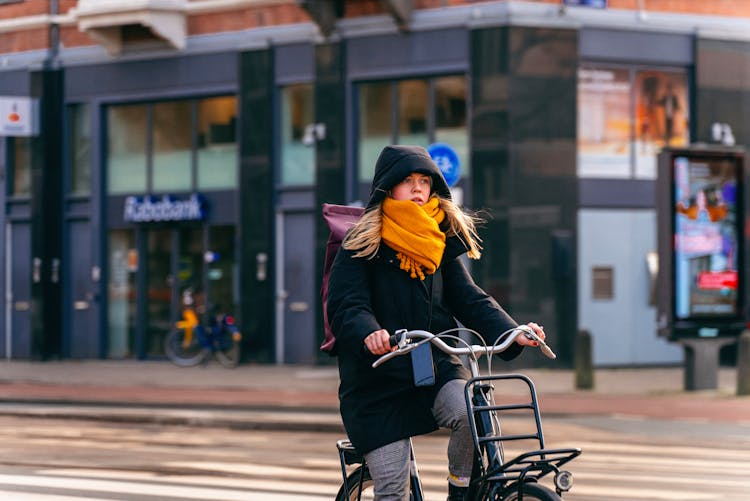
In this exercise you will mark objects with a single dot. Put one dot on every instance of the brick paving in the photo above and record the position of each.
(639, 393)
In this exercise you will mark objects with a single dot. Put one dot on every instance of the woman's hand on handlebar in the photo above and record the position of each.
(378, 342)
(525, 341)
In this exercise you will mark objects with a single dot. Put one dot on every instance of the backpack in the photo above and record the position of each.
(339, 219)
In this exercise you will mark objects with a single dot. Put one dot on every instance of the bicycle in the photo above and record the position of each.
(492, 479)
(190, 342)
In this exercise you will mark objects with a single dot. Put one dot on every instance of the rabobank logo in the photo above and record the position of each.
(18, 116)
(167, 208)
(14, 116)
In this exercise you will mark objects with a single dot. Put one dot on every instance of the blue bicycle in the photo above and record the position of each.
(190, 342)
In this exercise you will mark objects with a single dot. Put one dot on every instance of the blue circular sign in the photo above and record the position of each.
(446, 158)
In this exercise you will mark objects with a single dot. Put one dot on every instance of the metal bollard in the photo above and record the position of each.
(743, 364)
(584, 366)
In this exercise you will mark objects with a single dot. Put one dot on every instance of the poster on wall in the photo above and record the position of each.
(604, 122)
(706, 237)
(661, 117)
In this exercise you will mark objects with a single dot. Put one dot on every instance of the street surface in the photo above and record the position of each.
(624, 459)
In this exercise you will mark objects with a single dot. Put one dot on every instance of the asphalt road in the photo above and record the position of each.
(623, 459)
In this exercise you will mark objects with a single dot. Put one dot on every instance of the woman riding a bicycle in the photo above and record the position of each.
(400, 267)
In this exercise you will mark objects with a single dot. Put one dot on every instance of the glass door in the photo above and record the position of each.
(150, 271)
(159, 283)
(221, 269)
(121, 294)
(190, 270)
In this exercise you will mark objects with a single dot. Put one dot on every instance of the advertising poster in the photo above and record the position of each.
(706, 238)
(604, 122)
(661, 117)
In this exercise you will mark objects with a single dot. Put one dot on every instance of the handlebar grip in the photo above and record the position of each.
(547, 351)
(392, 341)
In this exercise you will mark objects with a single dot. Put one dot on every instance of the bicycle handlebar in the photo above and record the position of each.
(403, 338)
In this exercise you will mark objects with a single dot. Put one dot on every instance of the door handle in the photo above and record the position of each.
(299, 306)
(22, 305)
(80, 305)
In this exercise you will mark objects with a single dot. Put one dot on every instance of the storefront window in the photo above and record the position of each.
(126, 148)
(20, 166)
(425, 111)
(80, 150)
(121, 301)
(193, 145)
(625, 116)
(375, 112)
(413, 112)
(217, 143)
(172, 146)
(450, 117)
(221, 269)
(297, 148)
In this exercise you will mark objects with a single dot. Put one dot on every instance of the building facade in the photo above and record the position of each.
(186, 146)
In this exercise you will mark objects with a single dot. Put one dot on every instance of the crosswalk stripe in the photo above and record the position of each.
(133, 488)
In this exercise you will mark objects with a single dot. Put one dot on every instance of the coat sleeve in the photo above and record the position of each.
(474, 308)
(349, 307)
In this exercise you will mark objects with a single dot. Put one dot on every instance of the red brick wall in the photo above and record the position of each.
(289, 13)
(37, 39)
(735, 8)
(243, 19)
(26, 8)
(71, 37)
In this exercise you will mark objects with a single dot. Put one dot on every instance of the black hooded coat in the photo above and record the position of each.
(383, 405)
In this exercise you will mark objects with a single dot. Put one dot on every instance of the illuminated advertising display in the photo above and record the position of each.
(706, 237)
(701, 290)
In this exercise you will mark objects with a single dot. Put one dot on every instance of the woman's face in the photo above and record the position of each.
(415, 187)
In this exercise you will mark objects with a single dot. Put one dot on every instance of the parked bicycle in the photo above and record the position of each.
(190, 342)
(493, 478)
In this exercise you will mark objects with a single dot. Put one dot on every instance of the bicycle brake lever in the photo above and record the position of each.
(547, 350)
(529, 333)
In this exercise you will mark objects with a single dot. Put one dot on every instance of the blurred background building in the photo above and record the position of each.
(153, 146)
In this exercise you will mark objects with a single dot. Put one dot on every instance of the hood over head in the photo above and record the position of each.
(395, 163)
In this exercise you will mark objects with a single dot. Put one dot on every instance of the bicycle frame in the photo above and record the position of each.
(188, 324)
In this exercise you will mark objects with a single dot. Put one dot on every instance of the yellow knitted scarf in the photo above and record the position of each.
(413, 231)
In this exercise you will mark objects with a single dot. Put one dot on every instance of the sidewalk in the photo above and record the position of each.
(305, 398)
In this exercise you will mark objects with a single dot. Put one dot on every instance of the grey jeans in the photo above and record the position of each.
(389, 465)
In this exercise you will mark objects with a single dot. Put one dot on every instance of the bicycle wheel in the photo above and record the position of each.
(182, 353)
(531, 492)
(227, 346)
(360, 488)
(357, 490)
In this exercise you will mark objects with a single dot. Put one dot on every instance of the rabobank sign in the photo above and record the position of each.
(166, 208)
(19, 116)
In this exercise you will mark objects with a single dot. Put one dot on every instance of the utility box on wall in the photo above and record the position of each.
(701, 292)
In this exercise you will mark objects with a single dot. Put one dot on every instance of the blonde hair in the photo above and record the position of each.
(364, 237)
